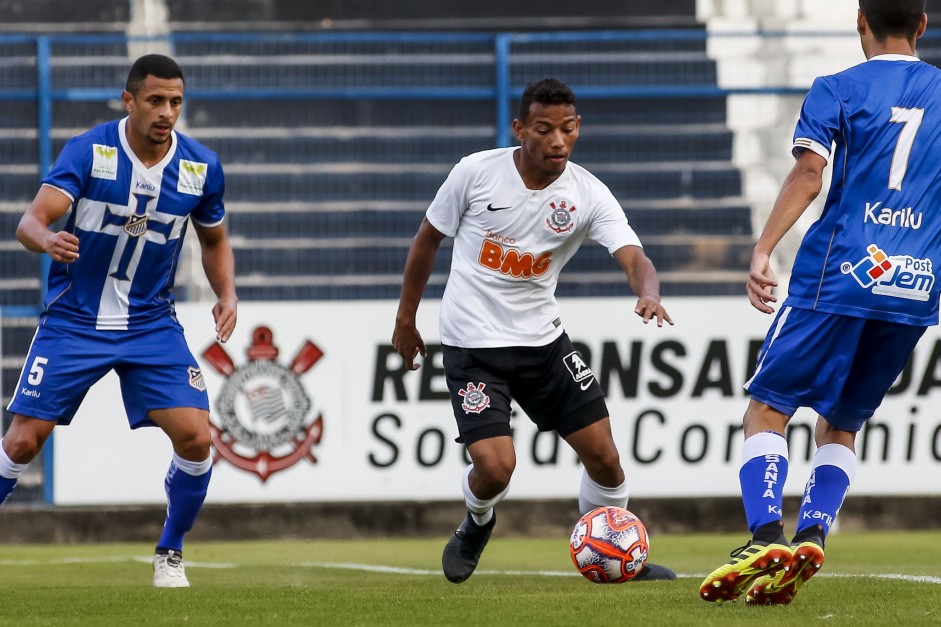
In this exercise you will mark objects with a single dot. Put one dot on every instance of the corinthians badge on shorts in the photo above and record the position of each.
(263, 423)
(475, 401)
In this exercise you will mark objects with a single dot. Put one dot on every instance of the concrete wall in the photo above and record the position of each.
(22, 524)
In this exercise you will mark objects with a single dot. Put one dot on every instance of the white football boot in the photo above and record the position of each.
(169, 571)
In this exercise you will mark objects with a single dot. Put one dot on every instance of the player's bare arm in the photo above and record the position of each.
(642, 277)
(406, 340)
(33, 231)
(219, 266)
(800, 189)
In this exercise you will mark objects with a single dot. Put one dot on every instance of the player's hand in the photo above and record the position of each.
(224, 312)
(761, 283)
(62, 246)
(649, 308)
(407, 342)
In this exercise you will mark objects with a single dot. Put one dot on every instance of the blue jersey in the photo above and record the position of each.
(130, 221)
(874, 252)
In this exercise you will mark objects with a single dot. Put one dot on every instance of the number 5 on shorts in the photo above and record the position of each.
(36, 371)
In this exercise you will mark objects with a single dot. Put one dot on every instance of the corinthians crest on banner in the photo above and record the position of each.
(262, 421)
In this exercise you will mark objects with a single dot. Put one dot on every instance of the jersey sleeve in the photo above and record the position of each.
(609, 226)
(450, 202)
(70, 171)
(819, 123)
(211, 210)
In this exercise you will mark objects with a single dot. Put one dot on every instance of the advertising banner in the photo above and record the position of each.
(310, 403)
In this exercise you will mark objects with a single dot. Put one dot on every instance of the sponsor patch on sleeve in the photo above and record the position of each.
(192, 177)
(104, 162)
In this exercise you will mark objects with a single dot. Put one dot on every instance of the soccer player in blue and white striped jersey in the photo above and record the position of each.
(127, 190)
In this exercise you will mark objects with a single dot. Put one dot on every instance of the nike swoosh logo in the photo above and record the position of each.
(490, 207)
(586, 384)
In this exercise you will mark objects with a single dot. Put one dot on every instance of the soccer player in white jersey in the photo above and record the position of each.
(517, 215)
(128, 189)
(863, 289)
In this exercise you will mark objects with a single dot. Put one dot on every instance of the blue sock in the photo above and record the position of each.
(833, 470)
(762, 476)
(186, 486)
(6, 486)
(9, 473)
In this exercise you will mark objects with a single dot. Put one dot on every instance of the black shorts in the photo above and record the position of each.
(552, 384)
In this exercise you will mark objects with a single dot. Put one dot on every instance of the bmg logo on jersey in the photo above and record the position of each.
(897, 276)
(506, 260)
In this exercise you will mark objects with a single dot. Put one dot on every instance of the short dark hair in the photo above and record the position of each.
(151, 65)
(893, 18)
(548, 91)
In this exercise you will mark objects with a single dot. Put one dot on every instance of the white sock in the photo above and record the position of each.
(594, 495)
(481, 510)
(194, 469)
(8, 468)
(839, 456)
(764, 443)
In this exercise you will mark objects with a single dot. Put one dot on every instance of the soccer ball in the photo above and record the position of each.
(609, 545)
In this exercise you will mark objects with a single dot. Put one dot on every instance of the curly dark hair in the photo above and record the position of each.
(548, 91)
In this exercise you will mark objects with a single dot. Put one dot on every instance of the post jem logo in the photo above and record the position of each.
(897, 276)
(262, 421)
(510, 261)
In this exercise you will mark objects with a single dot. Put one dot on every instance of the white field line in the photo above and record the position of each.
(399, 570)
(558, 573)
(107, 560)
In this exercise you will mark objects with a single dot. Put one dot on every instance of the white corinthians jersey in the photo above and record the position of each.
(510, 244)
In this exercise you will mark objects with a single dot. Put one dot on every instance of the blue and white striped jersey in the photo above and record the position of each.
(875, 250)
(130, 221)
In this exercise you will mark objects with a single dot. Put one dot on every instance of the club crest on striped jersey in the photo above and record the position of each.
(262, 420)
(475, 400)
(561, 216)
(136, 225)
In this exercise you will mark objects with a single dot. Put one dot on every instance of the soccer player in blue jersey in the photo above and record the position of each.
(864, 287)
(127, 190)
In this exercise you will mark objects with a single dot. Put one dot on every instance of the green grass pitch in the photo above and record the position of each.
(891, 578)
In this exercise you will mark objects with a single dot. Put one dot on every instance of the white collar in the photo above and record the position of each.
(894, 57)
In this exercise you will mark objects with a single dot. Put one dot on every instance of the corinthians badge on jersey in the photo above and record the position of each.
(561, 216)
(263, 423)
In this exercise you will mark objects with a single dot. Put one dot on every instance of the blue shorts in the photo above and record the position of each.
(840, 366)
(154, 365)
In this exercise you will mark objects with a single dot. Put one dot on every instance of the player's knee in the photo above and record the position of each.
(493, 475)
(22, 446)
(194, 445)
(604, 466)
